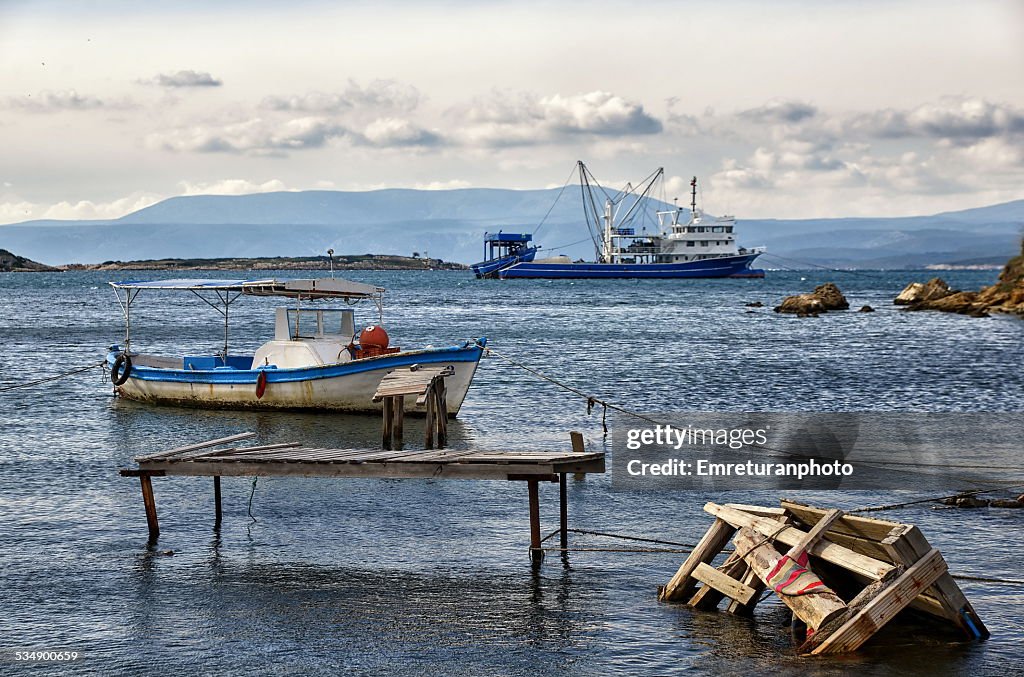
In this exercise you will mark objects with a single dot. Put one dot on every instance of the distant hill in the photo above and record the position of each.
(12, 263)
(449, 224)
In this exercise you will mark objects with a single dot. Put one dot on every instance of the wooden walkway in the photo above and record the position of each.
(217, 458)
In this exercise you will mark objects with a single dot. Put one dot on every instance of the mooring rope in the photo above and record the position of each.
(79, 370)
(591, 399)
(936, 499)
(251, 494)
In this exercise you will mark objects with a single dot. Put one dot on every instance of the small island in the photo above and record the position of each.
(344, 262)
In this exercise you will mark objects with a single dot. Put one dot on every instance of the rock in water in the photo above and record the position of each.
(916, 292)
(866, 309)
(824, 298)
(755, 304)
(1005, 296)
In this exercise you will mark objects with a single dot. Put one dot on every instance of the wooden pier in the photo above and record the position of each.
(216, 459)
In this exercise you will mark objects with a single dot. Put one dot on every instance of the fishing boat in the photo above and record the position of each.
(701, 247)
(316, 360)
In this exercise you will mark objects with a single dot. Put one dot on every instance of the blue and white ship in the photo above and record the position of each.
(702, 247)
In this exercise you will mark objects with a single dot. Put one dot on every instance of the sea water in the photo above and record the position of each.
(421, 577)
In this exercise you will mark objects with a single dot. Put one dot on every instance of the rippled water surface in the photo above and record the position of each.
(414, 577)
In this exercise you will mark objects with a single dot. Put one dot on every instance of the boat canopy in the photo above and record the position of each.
(308, 288)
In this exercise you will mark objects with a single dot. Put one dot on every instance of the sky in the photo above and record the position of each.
(789, 109)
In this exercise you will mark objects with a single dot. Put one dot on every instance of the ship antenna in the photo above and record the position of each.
(693, 196)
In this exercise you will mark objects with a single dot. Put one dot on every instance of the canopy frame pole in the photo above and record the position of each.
(227, 299)
(126, 310)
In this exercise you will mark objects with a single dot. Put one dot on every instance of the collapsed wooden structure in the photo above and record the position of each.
(858, 573)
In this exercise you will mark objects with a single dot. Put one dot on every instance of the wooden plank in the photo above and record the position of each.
(244, 450)
(576, 438)
(199, 445)
(889, 602)
(749, 578)
(863, 527)
(757, 510)
(428, 434)
(814, 535)
(869, 567)
(815, 610)
(478, 471)
(707, 598)
(681, 586)
(723, 583)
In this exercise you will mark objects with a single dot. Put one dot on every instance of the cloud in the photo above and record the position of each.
(15, 210)
(254, 137)
(378, 95)
(779, 111)
(394, 132)
(507, 119)
(958, 120)
(231, 187)
(64, 100)
(187, 78)
(451, 184)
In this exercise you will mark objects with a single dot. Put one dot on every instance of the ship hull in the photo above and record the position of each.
(345, 387)
(727, 266)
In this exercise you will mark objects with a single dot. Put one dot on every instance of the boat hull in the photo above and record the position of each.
(492, 267)
(344, 387)
(726, 266)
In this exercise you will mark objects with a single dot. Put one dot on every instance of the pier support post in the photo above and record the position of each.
(216, 499)
(389, 407)
(563, 514)
(150, 502)
(398, 423)
(536, 553)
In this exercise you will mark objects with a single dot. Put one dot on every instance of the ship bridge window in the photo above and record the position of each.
(690, 243)
(718, 229)
(728, 229)
(703, 243)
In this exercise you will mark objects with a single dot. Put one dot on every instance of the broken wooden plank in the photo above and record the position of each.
(884, 607)
(198, 445)
(681, 586)
(723, 583)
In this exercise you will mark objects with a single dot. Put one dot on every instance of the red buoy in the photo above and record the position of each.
(374, 336)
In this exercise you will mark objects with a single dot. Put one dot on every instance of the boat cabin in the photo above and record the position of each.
(305, 337)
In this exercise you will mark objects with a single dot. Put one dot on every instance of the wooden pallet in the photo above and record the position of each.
(871, 569)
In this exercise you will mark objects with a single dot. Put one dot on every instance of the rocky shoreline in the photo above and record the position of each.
(12, 263)
(1005, 296)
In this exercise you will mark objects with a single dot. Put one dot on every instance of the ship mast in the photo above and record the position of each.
(693, 198)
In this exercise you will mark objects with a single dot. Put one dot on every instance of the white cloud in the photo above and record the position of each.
(512, 119)
(378, 95)
(958, 119)
(231, 187)
(780, 111)
(392, 132)
(184, 78)
(452, 184)
(64, 100)
(15, 210)
(257, 136)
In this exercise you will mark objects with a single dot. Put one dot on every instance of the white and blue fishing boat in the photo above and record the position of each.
(316, 360)
(701, 247)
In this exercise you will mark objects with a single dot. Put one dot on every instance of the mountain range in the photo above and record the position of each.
(449, 224)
